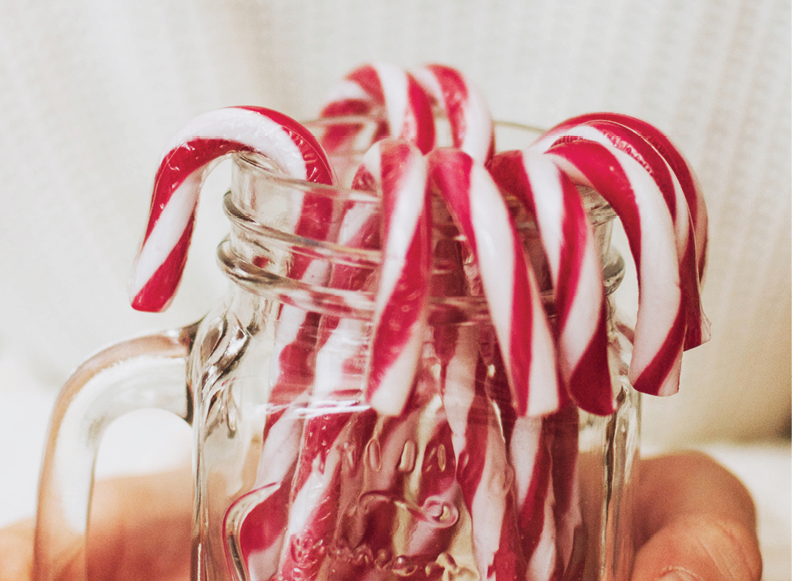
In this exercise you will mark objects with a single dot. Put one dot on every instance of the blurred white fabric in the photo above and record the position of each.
(91, 90)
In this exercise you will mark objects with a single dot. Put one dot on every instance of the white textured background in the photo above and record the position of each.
(90, 90)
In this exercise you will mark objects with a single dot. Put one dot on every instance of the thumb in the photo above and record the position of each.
(702, 548)
(698, 522)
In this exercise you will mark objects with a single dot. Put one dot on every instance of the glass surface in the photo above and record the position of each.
(302, 480)
(297, 478)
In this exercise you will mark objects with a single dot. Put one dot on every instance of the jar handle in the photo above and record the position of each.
(146, 372)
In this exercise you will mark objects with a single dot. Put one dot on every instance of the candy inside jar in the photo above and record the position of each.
(325, 487)
(419, 375)
(418, 372)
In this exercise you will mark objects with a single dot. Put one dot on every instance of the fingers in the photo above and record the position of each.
(695, 521)
(141, 525)
(140, 528)
(16, 551)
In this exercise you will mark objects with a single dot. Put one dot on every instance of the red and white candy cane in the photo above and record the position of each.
(573, 258)
(315, 492)
(464, 105)
(191, 154)
(634, 195)
(510, 287)
(544, 454)
(532, 460)
(681, 168)
(398, 171)
(483, 469)
(259, 518)
(530, 456)
(484, 473)
(380, 90)
(625, 139)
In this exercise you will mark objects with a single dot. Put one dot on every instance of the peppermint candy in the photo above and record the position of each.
(386, 92)
(465, 107)
(575, 269)
(634, 195)
(192, 153)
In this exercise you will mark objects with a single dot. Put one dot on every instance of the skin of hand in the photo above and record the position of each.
(695, 521)
(140, 528)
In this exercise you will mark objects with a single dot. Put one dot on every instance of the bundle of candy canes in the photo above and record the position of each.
(503, 436)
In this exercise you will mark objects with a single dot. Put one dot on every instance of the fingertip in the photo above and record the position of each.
(16, 552)
(689, 483)
(700, 547)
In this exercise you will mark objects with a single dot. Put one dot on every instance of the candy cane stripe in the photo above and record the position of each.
(575, 270)
(509, 285)
(190, 154)
(465, 106)
(647, 222)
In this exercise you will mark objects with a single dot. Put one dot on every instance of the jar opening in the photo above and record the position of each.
(266, 243)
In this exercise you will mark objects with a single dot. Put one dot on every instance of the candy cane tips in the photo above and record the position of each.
(192, 152)
(464, 105)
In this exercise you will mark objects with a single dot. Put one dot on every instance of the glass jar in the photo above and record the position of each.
(296, 477)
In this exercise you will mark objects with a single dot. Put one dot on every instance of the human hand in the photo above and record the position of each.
(140, 529)
(695, 521)
(694, 518)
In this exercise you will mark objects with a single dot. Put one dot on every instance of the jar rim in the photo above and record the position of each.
(598, 209)
(255, 162)
(345, 303)
(359, 304)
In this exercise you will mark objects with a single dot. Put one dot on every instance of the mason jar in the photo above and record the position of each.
(296, 476)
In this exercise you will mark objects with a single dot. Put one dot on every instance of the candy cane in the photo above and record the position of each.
(399, 170)
(625, 139)
(377, 90)
(190, 155)
(529, 450)
(631, 191)
(258, 519)
(458, 351)
(465, 107)
(509, 285)
(478, 437)
(483, 470)
(681, 168)
(530, 457)
(315, 489)
(314, 496)
(575, 269)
